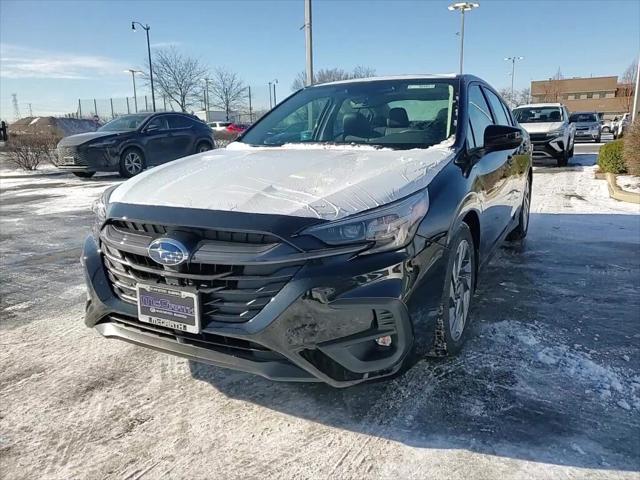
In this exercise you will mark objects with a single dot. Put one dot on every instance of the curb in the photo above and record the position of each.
(617, 193)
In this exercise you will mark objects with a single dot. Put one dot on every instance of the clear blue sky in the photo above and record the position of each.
(54, 52)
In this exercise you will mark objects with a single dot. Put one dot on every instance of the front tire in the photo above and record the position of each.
(459, 286)
(563, 159)
(84, 174)
(131, 163)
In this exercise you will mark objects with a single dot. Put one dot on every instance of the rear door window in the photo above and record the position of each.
(179, 121)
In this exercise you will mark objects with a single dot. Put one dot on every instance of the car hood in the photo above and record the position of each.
(79, 139)
(542, 127)
(317, 181)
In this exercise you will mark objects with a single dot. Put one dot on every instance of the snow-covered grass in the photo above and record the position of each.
(629, 183)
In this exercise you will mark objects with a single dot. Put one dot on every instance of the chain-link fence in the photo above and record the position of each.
(108, 108)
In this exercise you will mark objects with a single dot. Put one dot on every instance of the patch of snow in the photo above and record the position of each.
(628, 183)
(35, 120)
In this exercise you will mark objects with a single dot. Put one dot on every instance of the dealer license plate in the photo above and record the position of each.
(169, 307)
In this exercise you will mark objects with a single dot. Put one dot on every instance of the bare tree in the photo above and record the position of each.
(506, 94)
(178, 77)
(325, 75)
(627, 85)
(524, 96)
(551, 88)
(228, 91)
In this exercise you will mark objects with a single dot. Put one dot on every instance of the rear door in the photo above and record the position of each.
(492, 171)
(180, 141)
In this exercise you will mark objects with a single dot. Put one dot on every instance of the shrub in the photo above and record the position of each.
(610, 157)
(632, 149)
(28, 151)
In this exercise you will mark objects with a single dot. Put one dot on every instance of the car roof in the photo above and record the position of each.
(538, 105)
(424, 76)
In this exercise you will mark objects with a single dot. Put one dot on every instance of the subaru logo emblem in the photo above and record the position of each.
(168, 251)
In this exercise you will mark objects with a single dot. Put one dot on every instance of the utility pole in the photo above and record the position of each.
(634, 115)
(462, 7)
(30, 111)
(513, 75)
(308, 41)
(250, 109)
(270, 97)
(16, 109)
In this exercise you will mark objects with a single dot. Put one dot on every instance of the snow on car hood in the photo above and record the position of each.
(318, 181)
(542, 127)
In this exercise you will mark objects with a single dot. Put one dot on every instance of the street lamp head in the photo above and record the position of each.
(463, 6)
(133, 26)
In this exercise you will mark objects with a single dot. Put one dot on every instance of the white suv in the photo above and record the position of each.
(549, 129)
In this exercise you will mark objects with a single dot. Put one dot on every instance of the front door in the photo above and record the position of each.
(493, 172)
(155, 138)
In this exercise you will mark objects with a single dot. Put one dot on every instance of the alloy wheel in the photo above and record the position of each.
(460, 290)
(203, 148)
(133, 163)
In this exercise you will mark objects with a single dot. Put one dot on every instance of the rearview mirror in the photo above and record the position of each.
(501, 137)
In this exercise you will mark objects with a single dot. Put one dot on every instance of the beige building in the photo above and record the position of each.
(595, 94)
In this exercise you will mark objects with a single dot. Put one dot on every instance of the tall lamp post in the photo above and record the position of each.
(634, 114)
(274, 83)
(133, 77)
(462, 7)
(270, 97)
(147, 28)
(513, 61)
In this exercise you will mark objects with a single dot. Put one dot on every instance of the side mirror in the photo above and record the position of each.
(152, 128)
(501, 137)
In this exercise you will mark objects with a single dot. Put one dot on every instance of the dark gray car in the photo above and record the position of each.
(131, 143)
(587, 126)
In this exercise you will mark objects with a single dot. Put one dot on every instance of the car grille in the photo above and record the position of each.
(71, 156)
(228, 293)
(538, 137)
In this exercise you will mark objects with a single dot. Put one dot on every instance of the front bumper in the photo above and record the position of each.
(547, 147)
(321, 326)
(587, 135)
(84, 159)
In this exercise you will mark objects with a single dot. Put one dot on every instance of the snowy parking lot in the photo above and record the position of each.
(548, 385)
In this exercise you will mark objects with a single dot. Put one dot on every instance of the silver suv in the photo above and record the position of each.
(587, 125)
(549, 129)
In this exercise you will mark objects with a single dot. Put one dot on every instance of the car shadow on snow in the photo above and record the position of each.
(550, 372)
(577, 162)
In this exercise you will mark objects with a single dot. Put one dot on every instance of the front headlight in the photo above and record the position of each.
(99, 207)
(555, 133)
(386, 228)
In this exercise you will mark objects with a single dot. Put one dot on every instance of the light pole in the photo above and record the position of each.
(513, 74)
(462, 7)
(274, 83)
(147, 28)
(308, 41)
(634, 114)
(206, 99)
(270, 97)
(133, 77)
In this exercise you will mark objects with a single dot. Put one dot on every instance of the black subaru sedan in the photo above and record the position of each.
(131, 143)
(338, 239)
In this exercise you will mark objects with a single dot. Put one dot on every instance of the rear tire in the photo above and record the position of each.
(520, 232)
(599, 139)
(131, 163)
(459, 286)
(203, 147)
(84, 174)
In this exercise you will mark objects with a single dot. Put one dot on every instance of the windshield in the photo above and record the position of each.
(538, 114)
(398, 114)
(125, 123)
(583, 117)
